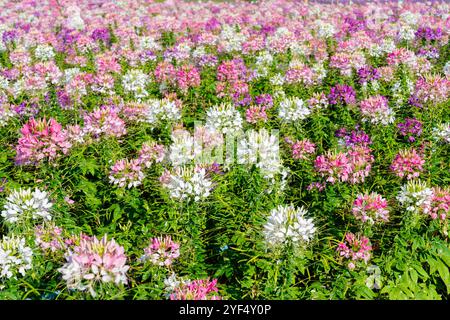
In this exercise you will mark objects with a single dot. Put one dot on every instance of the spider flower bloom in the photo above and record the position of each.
(431, 89)
(293, 109)
(260, 148)
(376, 110)
(370, 208)
(41, 139)
(411, 128)
(187, 183)
(196, 290)
(440, 204)
(162, 110)
(302, 148)
(150, 153)
(342, 93)
(15, 257)
(134, 82)
(407, 163)
(224, 119)
(104, 121)
(318, 101)
(441, 133)
(162, 251)
(49, 238)
(416, 197)
(25, 204)
(288, 224)
(126, 173)
(335, 166)
(355, 248)
(361, 159)
(255, 113)
(94, 262)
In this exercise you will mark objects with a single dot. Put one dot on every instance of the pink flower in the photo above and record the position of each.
(41, 140)
(151, 153)
(196, 290)
(334, 166)
(302, 148)
(370, 208)
(407, 163)
(355, 248)
(126, 173)
(162, 251)
(440, 204)
(104, 121)
(256, 113)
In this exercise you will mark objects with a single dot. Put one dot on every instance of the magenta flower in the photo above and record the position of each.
(41, 140)
(370, 208)
(302, 148)
(440, 204)
(407, 163)
(355, 249)
(334, 166)
(196, 290)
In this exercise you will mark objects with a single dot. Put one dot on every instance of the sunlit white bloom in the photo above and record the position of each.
(230, 39)
(149, 43)
(187, 183)
(25, 204)
(293, 109)
(135, 81)
(261, 149)
(44, 52)
(324, 29)
(224, 118)
(288, 224)
(5, 115)
(415, 197)
(162, 110)
(15, 257)
(442, 132)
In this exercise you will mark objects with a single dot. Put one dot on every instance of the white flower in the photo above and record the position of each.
(74, 19)
(15, 257)
(149, 43)
(415, 196)
(135, 81)
(325, 30)
(293, 109)
(182, 148)
(230, 39)
(277, 80)
(5, 115)
(224, 119)
(162, 110)
(446, 69)
(25, 204)
(188, 183)
(442, 132)
(262, 150)
(287, 223)
(44, 52)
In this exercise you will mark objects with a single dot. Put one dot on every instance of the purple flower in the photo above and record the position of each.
(366, 74)
(410, 128)
(342, 93)
(101, 34)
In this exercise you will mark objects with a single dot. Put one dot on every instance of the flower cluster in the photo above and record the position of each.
(150, 153)
(355, 248)
(407, 163)
(376, 110)
(411, 128)
(301, 149)
(196, 290)
(288, 224)
(415, 196)
(186, 183)
(261, 149)
(162, 251)
(92, 262)
(370, 208)
(104, 121)
(162, 110)
(15, 257)
(224, 118)
(293, 109)
(25, 204)
(40, 140)
(49, 238)
(126, 173)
